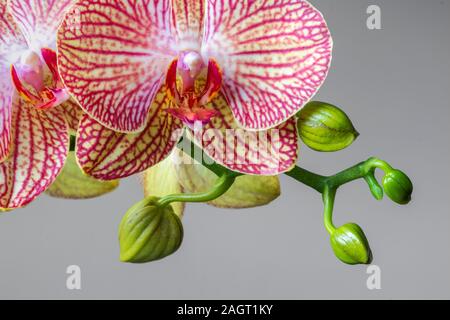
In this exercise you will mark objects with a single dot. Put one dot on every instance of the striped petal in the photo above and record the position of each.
(12, 44)
(268, 152)
(106, 154)
(6, 93)
(39, 19)
(188, 23)
(114, 61)
(39, 148)
(73, 113)
(275, 54)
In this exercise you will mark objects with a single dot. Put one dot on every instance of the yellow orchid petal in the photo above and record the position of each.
(72, 183)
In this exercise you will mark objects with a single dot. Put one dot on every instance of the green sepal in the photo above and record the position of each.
(246, 192)
(73, 183)
(161, 180)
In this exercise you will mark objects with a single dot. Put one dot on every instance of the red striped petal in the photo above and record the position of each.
(188, 22)
(6, 93)
(39, 19)
(39, 148)
(114, 61)
(12, 42)
(107, 155)
(73, 113)
(11, 45)
(269, 152)
(274, 54)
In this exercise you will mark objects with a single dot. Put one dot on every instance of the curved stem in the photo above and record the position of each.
(222, 185)
(328, 200)
(326, 185)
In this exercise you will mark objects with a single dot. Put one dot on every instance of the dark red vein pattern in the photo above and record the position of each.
(39, 19)
(114, 61)
(275, 55)
(39, 149)
(188, 17)
(11, 42)
(268, 152)
(73, 113)
(107, 155)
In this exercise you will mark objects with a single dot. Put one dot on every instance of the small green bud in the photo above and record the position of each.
(324, 127)
(398, 186)
(350, 245)
(149, 232)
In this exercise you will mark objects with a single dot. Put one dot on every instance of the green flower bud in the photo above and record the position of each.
(398, 186)
(350, 245)
(324, 127)
(149, 232)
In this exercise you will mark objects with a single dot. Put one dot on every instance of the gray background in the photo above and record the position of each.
(394, 83)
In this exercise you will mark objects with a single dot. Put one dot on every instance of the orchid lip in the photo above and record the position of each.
(188, 97)
(28, 78)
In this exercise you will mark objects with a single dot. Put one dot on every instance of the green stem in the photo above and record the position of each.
(197, 154)
(73, 143)
(308, 178)
(222, 185)
(326, 185)
(329, 196)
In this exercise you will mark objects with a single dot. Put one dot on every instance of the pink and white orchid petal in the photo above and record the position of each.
(275, 54)
(188, 20)
(114, 61)
(12, 44)
(267, 152)
(39, 20)
(39, 148)
(6, 92)
(107, 155)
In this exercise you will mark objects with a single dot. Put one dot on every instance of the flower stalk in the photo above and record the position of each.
(223, 184)
(396, 184)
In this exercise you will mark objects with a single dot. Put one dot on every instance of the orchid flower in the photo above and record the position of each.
(143, 70)
(35, 109)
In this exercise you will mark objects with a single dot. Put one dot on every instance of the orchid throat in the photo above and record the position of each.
(192, 84)
(31, 80)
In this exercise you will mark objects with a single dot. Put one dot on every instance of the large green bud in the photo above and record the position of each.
(350, 245)
(324, 127)
(149, 232)
(398, 186)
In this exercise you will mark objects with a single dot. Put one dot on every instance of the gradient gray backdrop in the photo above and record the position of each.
(394, 84)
